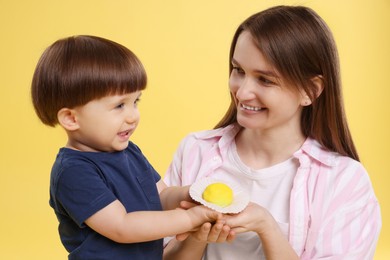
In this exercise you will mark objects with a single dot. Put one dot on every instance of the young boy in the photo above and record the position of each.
(107, 197)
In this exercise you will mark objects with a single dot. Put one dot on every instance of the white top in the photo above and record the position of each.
(268, 187)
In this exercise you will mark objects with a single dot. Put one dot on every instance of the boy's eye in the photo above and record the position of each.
(121, 105)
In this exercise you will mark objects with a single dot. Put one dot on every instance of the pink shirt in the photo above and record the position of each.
(334, 213)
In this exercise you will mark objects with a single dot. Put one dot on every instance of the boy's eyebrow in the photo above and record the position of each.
(263, 72)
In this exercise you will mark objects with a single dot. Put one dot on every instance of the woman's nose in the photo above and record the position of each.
(245, 89)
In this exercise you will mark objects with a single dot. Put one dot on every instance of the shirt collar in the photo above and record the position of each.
(310, 147)
(217, 133)
(315, 150)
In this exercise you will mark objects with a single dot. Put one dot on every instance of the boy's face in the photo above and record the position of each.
(106, 124)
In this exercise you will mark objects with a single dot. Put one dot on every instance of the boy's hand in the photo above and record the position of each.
(188, 204)
(201, 214)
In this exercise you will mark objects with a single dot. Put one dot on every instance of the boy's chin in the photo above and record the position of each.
(121, 146)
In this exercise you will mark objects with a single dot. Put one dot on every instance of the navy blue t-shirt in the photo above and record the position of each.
(82, 183)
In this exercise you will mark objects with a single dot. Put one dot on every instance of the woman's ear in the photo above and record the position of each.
(67, 119)
(319, 87)
(306, 101)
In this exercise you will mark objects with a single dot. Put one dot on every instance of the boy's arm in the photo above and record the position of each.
(172, 196)
(116, 224)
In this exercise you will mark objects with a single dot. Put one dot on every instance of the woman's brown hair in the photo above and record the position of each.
(75, 70)
(299, 44)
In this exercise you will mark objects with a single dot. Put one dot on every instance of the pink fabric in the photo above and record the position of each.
(334, 213)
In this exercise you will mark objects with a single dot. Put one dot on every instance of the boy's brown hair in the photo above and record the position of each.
(75, 70)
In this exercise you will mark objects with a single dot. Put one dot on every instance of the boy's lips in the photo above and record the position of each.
(126, 133)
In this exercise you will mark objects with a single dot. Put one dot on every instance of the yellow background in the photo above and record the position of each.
(184, 46)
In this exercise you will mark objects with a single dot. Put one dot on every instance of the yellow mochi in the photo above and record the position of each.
(219, 194)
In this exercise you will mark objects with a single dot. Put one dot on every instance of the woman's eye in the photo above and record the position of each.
(137, 101)
(266, 81)
(238, 70)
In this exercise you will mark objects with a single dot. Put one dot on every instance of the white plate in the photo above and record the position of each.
(240, 196)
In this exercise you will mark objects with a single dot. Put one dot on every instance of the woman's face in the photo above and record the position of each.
(264, 100)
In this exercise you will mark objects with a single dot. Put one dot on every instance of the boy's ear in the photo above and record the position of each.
(319, 87)
(67, 119)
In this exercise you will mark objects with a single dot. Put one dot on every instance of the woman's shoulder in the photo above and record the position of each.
(322, 155)
(205, 137)
(212, 133)
(332, 165)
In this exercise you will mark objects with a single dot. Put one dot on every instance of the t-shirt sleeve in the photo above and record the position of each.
(156, 175)
(82, 192)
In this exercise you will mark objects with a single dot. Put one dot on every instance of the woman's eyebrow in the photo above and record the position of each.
(269, 73)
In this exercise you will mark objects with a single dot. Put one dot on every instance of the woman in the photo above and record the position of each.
(285, 140)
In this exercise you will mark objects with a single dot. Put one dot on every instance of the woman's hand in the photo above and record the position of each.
(217, 232)
(258, 219)
(210, 233)
(252, 218)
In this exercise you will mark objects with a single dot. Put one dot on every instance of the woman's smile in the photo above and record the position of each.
(251, 108)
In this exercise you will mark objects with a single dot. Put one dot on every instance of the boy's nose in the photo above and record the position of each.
(132, 116)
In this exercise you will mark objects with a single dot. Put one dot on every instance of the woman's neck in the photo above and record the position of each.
(261, 149)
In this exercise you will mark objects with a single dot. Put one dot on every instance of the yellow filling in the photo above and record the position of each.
(219, 194)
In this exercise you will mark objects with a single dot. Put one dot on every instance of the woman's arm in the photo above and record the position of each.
(256, 218)
(192, 246)
(345, 219)
(116, 224)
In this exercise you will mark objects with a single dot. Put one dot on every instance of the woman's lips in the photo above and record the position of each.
(251, 108)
